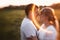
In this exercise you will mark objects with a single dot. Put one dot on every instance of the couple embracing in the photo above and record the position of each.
(49, 24)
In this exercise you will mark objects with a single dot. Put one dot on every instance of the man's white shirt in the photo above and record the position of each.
(28, 29)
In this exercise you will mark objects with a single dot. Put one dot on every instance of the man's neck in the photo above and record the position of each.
(29, 17)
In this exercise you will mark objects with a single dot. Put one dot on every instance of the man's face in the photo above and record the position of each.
(36, 12)
(36, 15)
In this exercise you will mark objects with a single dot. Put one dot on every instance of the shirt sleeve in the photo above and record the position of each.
(29, 30)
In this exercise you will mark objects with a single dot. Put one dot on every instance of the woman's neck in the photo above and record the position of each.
(46, 24)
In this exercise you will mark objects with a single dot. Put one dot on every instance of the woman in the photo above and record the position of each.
(48, 30)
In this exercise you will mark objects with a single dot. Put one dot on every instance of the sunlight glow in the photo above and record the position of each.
(4, 3)
(38, 26)
(48, 2)
(34, 20)
(36, 23)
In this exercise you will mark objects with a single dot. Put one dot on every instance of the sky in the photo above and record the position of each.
(4, 3)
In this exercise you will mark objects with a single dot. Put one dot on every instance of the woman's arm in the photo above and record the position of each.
(32, 38)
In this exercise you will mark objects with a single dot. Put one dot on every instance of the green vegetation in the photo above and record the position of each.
(10, 21)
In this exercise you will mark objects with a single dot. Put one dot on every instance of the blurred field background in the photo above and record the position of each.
(11, 18)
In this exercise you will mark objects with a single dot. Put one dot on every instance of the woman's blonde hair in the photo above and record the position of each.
(50, 13)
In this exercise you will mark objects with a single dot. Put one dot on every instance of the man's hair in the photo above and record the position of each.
(29, 8)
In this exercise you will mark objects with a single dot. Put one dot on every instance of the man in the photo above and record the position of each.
(28, 29)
